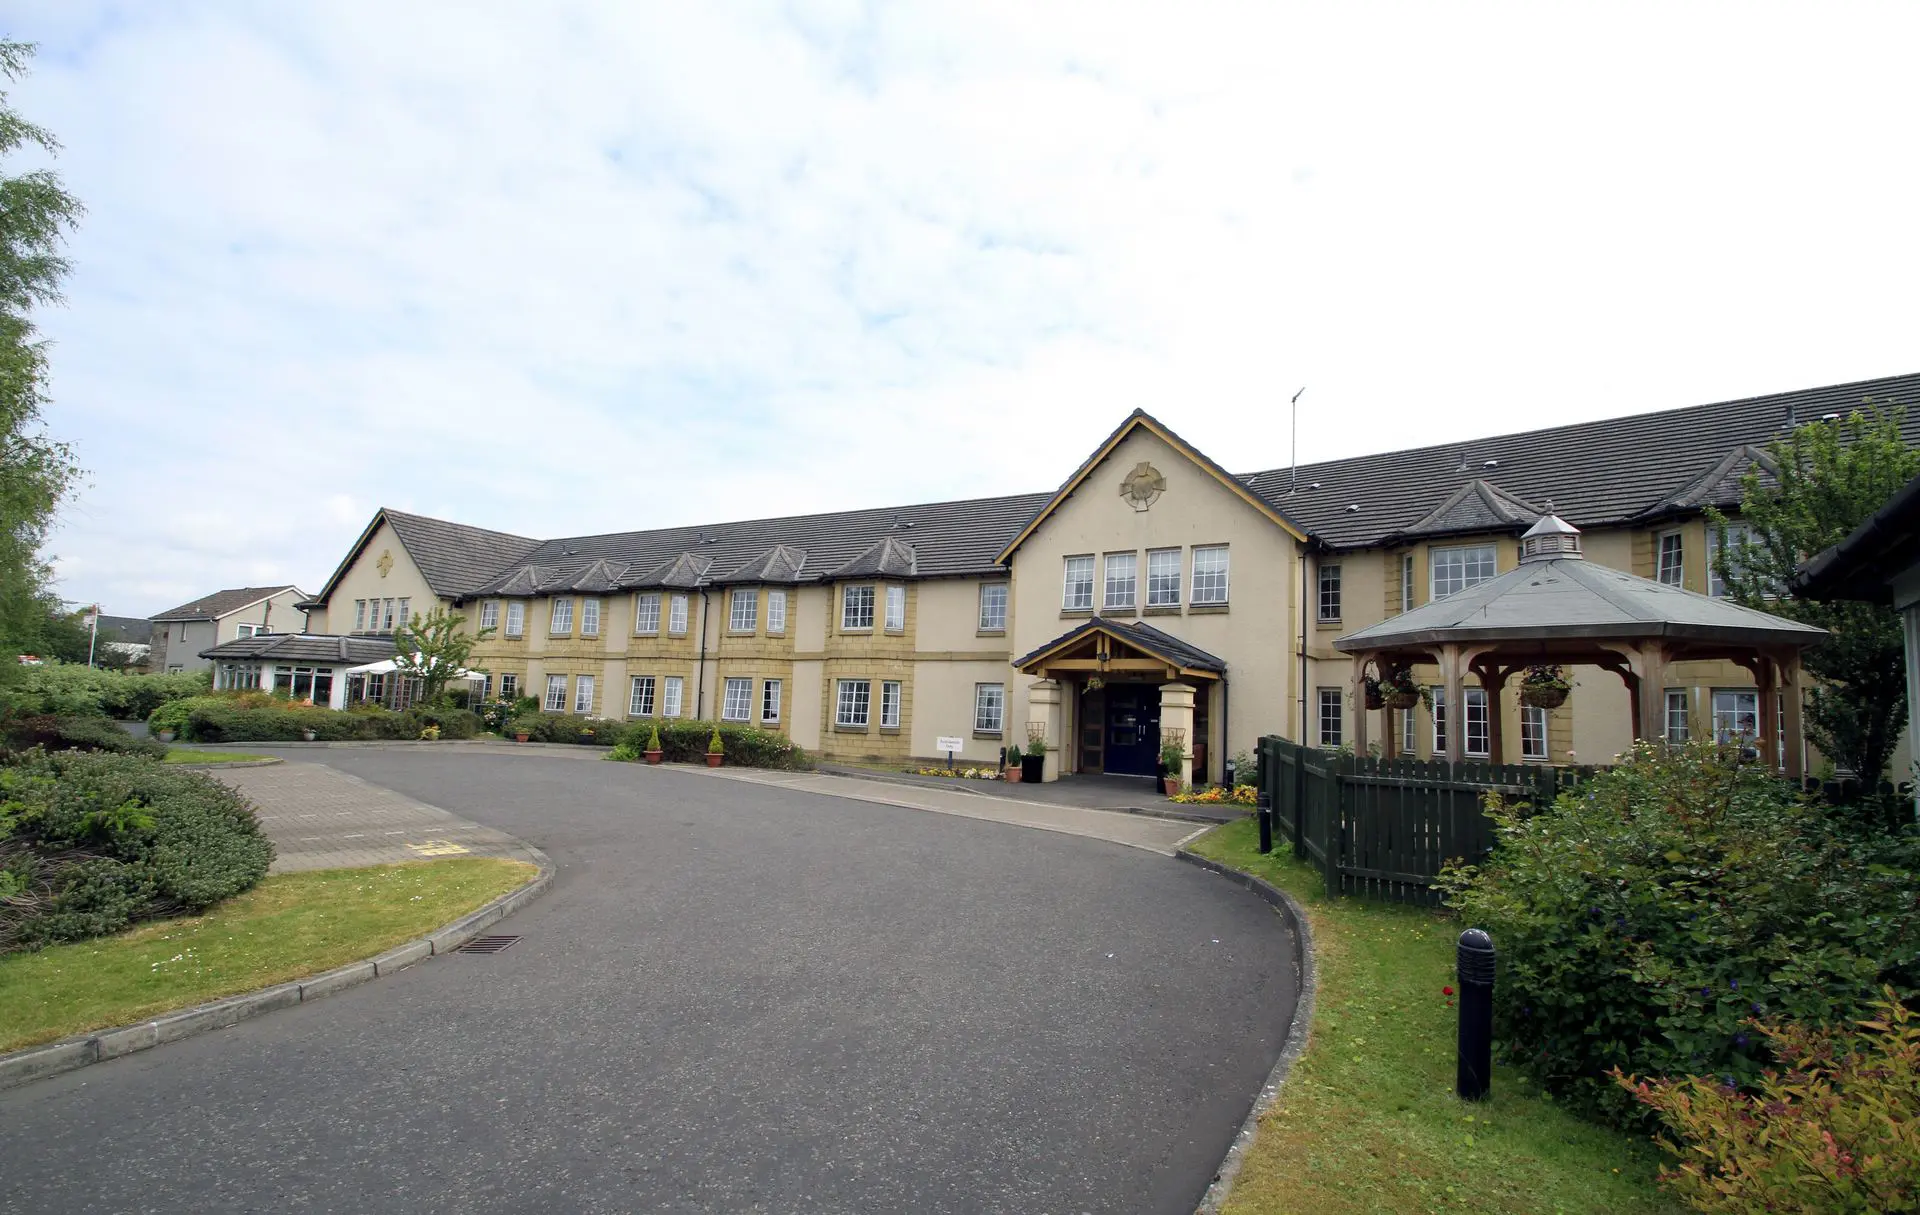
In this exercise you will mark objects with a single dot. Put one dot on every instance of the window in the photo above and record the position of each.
(1332, 717)
(851, 698)
(509, 686)
(406, 617)
(745, 613)
(670, 697)
(174, 668)
(1533, 732)
(738, 704)
(1439, 722)
(896, 609)
(562, 617)
(1406, 582)
(1077, 595)
(1676, 715)
(677, 614)
(646, 614)
(1670, 568)
(1736, 714)
(856, 607)
(770, 700)
(556, 701)
(583, 694)
(1122, 576)
(490, 614)
(776, 612)
(1329, 593)
(640, 704)
(589, 617)
(386, 616)
(486, 687)
(989, 708)
(516, 618)
(1479, 738)
(359, 615)
(1163, 577)
(1456, 569)
(1210, 574)
(1738, 535)
(249, 630)
(890, 705)
(993, 607)
(1409, 744)
(305, 683)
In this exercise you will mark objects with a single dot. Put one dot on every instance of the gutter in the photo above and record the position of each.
(700, 668)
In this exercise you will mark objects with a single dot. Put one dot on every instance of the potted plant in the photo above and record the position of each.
(307, 734)
(653, 744)
(1033, 761)
(521, 728)
(1013, 763)
(1398, 691)
(1172, 757)
(716, 750)
(165, 736)
(1544, 686)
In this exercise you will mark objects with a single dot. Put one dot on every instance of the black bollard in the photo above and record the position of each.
(1264, 812)
(1475, 971)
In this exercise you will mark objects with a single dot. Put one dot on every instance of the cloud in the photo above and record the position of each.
(590, 268)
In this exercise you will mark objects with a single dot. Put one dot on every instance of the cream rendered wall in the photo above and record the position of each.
(943, 693)
(363, 580)
(1255, 635)
(950, 617)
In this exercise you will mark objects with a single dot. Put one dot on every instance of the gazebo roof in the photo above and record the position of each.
(1569, 598)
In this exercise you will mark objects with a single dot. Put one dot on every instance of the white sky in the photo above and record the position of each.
(567, 269)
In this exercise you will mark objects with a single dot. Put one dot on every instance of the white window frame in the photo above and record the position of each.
(677, 616)
(770, 696)
(1164, 570)
(490, 613)
(248, 630)
(1119, 582)
(672, 696)
(560, 617)
(743, 610)
(1479, 738)
(510, 686)
(640, 700)
(1076, 584)
(1533, 733)
(856, 608)
(589, 617)
(516, 618)
(1475, 563)
(737, 700)
(406, 613)
(646, 614)
(896, 609)
(386, 616)
(1330, 716)
(776, 613)
(852, 703)
(1329, 593)
(890, 699)
(1406, 583)
(1672, 573)
(993, 607)
(1737, 534)
(1211, 586)
(583, 694)
(359, 615)
(1674, 726)
(990, 709)
(1409, 733)
(556, 698)
(1729, 706)
(1439, 715)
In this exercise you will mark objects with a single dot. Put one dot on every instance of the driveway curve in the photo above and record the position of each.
(735, 997)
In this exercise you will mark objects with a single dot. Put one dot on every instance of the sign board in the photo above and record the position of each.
(949, 744)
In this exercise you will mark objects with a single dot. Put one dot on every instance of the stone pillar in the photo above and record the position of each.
(1044, 716)
(1176, 713)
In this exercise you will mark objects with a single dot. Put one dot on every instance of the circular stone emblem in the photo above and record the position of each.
(1143, 486)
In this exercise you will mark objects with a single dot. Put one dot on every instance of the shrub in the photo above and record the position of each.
(686, 742)
(91, 842)
(260, 717)
(72, 690)
(1647, 914)
(73, 734)
(1837, 1130)
(567, 728)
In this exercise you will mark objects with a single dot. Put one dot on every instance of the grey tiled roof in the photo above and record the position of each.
(1477, 506)
(218, 604)
(1140, 633)
(1607, 472)
(887, 557)
(780, 564)
(453, 557)
(305, 647)
(131, 628)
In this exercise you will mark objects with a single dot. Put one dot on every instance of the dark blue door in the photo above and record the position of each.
(1133, 729)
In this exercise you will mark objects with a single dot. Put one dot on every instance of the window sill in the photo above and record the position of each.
(654, 633)
(990, 735)
(1120, 610)
(840, 729)
(1206, 609)
(742, 632)
(989, 632)
(1328, 624)
(856, 632)
(1162, 609)
(1076, 613)
(889, 729)
(899, 632)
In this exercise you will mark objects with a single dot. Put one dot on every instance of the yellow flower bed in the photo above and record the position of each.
(1218, 795)
(959, 773)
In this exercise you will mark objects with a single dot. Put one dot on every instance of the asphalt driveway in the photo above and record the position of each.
(735, 997)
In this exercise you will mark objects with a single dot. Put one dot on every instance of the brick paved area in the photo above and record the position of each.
(321, 818)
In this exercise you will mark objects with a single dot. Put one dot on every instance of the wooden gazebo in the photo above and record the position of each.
(1557, 608)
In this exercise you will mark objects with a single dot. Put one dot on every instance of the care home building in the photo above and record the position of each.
(1153, 592)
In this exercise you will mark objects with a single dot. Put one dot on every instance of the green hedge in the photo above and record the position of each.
(257, 717)
(1647, 916)
(91, 842)
(566, 728)
(72, 734)
(685, 742)
(70, 690)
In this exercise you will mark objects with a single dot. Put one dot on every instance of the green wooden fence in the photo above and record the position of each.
(1382, 828)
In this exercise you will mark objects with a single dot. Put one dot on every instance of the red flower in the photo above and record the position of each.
(1446, 991)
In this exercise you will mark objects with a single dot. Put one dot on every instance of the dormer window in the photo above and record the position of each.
(856, 608)
(1456, 569)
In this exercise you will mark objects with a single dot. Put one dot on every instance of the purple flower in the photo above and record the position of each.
(1740, 1040)
(1736, 984)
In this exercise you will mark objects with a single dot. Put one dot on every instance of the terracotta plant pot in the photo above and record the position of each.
(1542, 697)
(519, 738)
(1013, 774)
(1170, 785)
(654, 757)
(714, 758)
(165, 736)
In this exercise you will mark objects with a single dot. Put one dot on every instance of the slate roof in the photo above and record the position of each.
(132, 629)
(221, 603)
(1863, 566)
(1139, 633)
(319, 648)
(1604, 473)
(453, 557)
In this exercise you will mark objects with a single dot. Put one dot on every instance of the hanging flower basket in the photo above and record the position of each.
(1544, 687)
(1395, 689)
(1401, 699)
(1375, 698)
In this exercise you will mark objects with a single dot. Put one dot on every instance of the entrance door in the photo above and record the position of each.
(1133, 729)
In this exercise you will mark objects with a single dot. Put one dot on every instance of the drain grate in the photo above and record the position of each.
(487, 945)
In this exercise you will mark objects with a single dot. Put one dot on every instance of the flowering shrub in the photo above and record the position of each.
(1651, 911)
(960, 773)
(1218, 795)
(685, 741)
(1836, 1129)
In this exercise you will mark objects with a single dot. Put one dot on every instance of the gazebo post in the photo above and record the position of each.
(1767, 728)
(1452, 677)
(1650, 705)
(1357, 682)
(1493, 678)
(1794, 739)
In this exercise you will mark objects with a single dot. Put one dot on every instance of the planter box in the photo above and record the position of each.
(654, 757)
(1033, 769)
(1013, 774)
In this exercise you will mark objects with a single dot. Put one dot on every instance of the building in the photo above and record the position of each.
(332, 672)
(1154, 590)
(179, 635)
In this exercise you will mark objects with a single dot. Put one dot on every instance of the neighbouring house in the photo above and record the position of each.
(179, 635)
(302, 666)
(127, 637)
(1153, 591)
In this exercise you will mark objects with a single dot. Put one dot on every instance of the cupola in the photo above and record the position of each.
(1551, 539)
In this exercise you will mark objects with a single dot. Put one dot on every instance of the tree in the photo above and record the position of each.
(36, 472)
(434, 649)
(1828, 477)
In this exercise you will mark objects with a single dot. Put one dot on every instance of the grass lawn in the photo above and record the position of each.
(1367, 1120)
(289, 926)
(184, 755)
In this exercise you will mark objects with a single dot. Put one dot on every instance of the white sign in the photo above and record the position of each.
(949, 744)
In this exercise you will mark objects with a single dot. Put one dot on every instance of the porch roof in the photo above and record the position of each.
(1138, 642)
